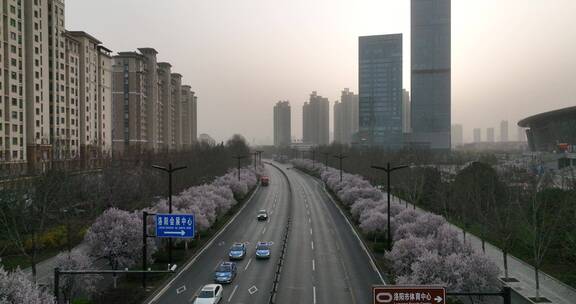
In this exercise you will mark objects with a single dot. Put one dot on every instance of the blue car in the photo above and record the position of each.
(225, 273)
(237, 252)
(263, 250)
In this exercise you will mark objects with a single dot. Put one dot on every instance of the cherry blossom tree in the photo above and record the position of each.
(15, 287)
(361, 205)
(405, 216)
(425, 225)
(374, 223)
(406, 252)
(115, 236)
(426, 250)
(73, 286)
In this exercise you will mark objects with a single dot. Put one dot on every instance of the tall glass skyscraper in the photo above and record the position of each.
(431, 100)
(380, 84)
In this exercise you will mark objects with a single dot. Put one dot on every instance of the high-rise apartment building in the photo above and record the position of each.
(13, 115)
(188, 117)
(55, 91)
(282, 124)
(346, 117)
(165, 105)
(129, 99)
(72, 98)
(406, 124)
(194, 123)
(504, 131)
(477, 135)
(95, 98)
(153, 110)
(316, 120)
(152, 104)
(490, 135)
(380, 83)
(431, 70)
(457, 135)
(176, 111)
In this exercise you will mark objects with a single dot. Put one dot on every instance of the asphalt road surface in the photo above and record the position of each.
(324, 263)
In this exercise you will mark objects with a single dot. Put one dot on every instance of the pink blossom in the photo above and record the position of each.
(16, 288)
(73, 286)
(115, 236)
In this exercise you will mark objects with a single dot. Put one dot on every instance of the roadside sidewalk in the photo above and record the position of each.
(45, 269)
(550, 288)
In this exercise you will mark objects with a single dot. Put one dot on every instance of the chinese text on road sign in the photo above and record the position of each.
(409, 295)
(175, 225)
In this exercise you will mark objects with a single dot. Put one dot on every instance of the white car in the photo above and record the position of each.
(209, 294)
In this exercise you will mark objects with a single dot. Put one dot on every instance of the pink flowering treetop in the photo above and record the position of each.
(406, 252)
(425, 225)
(15, 287)
(116, 236)
(376, 222)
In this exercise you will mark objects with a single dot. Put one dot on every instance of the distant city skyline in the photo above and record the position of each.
(286, 53)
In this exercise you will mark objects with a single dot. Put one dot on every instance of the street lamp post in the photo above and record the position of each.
(169, 170)
(326, 160)
(260, 157)
(239, 158)
(340, 157)
(255, 160)
(388, 169)
(313, 158)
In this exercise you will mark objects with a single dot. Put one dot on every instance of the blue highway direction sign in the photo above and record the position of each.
(174, 225)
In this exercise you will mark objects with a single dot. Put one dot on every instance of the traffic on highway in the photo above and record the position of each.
(324, 261)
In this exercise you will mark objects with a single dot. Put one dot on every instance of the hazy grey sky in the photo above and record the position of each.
(510, 58)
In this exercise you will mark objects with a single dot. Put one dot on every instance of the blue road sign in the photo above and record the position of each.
(175, 225)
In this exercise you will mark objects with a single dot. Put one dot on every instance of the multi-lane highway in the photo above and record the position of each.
(324, 262)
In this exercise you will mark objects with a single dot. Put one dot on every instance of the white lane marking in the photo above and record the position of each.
(252, 290)
(192, 261)
(308, 212)
(249, 261)
(309, 220)
(181, 289)
(313, 265)
(310, 231)
(314, 293)
(312, 244)
(264, 230)
(232, 294)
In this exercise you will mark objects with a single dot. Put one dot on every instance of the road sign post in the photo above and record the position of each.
(409, 295)
(175, 225)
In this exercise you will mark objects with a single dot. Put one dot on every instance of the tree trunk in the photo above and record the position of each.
(537, 277)
(505, 256)
(33, 259)
(483, 246)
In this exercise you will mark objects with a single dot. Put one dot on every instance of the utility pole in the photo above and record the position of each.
(239, 158)
(169, 170)
(340, 157)
(389, 170)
